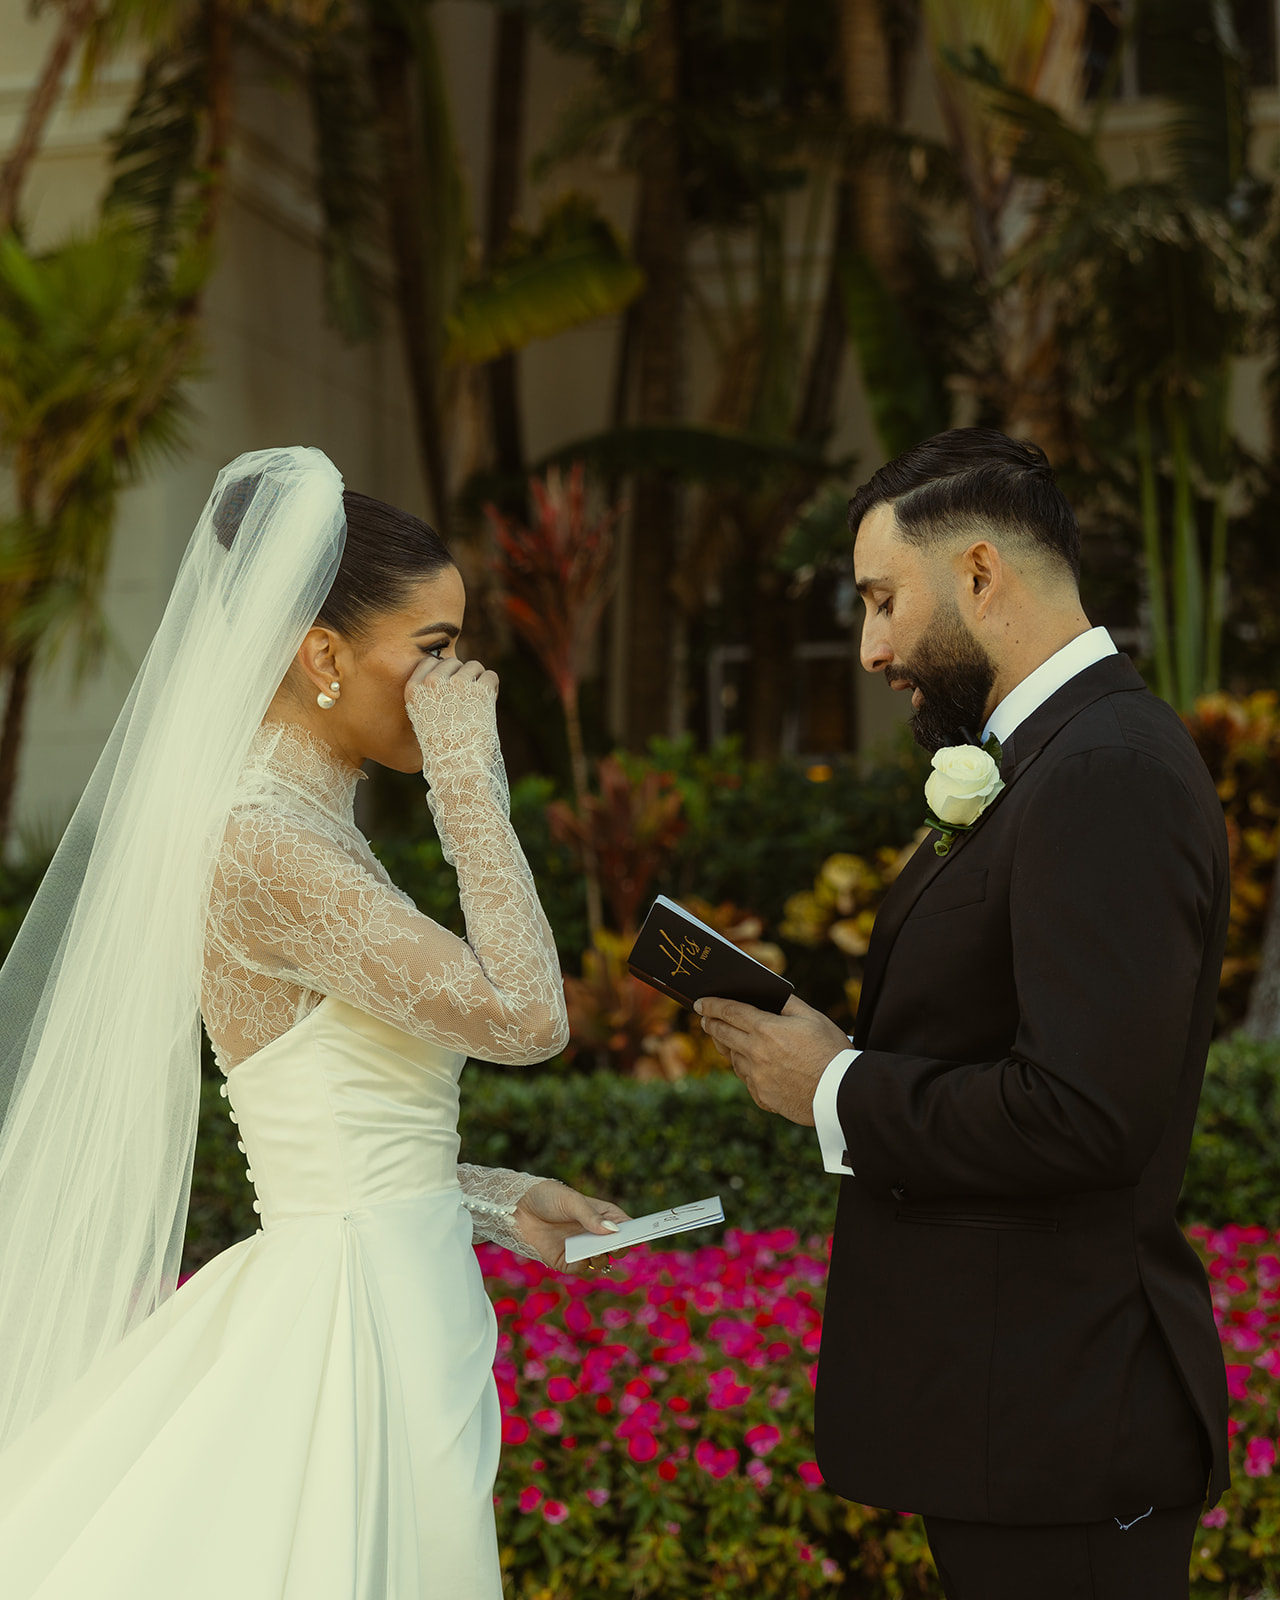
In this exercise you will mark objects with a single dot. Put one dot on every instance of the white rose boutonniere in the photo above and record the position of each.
(963, 783)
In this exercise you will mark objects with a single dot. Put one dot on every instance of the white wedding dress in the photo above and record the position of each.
(312, 1416)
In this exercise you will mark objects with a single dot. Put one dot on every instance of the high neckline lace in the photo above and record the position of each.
(296, 757)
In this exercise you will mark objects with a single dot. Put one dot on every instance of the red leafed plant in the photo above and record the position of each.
(629, 829)
(556, 578)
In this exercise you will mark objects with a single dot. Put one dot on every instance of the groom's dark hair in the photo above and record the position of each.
(967, 480)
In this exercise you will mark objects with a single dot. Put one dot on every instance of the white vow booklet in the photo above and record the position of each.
(640, 1230)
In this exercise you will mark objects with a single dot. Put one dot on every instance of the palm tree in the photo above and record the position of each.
(97, 338)
(92, 367)
(1034, 47)
(1161, 286)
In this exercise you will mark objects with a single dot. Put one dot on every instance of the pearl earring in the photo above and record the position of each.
(326, 702)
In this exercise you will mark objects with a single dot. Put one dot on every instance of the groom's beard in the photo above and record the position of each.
(954, 675)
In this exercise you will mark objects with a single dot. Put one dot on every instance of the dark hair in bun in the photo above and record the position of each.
(385, 553)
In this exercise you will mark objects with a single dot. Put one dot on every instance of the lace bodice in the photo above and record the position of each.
(301, 908)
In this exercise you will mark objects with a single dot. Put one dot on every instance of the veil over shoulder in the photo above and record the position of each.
(99, 998)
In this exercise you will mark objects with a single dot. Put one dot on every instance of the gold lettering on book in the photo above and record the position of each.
(686, 955)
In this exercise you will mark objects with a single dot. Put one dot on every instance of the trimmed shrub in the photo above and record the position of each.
(651, 1145)
(1234, 1169)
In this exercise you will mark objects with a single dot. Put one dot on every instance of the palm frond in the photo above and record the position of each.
(1191, 54)
(575, 268)
(346, 176)
(155, 154)
(586, 123)
(693, 454)
(1049, 147)
(907, 398)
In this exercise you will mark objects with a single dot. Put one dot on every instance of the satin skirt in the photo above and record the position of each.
(312, 1416)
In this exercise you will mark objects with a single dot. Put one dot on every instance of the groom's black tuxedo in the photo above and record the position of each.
(1016, 1330)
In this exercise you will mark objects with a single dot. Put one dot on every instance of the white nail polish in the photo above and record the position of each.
(610, 1227)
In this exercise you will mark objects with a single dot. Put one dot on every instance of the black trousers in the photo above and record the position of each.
(1145, 1560)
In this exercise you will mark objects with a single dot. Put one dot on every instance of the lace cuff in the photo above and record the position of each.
(491, 1195)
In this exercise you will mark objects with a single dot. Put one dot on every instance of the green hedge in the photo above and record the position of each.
(651, 1145)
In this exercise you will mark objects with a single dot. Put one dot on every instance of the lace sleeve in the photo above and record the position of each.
(294, 904)
(491, 1195)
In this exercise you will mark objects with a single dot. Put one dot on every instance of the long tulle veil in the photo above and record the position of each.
(99, 998)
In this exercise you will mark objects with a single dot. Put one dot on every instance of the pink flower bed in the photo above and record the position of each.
(663, 1409)
(658, 1427)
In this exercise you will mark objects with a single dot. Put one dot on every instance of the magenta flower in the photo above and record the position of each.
(530, 1498)
(642, 1446)
(598, 1497)
(724, 1390)
(550, 1421)
(711, 1458)
(1238, 1377)
(1259, 1457)
(561, 1389)
(555, 1511)
(1217, 1518)
(830, 1571)
(515, 1430)
(810, 1474)
(762, 1438)
(760, 1474)
(577, 1318)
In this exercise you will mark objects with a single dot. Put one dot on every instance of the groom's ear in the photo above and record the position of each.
(982, 572)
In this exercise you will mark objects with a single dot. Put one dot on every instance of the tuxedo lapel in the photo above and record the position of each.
(1111, 675)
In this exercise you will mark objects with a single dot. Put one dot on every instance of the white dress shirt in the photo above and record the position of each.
(1028, 696)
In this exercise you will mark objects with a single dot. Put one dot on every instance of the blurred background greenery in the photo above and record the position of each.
(628, 295)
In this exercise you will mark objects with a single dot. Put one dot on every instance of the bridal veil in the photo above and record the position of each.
(99, 998)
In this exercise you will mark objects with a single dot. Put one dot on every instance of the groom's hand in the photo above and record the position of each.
(779, 1058)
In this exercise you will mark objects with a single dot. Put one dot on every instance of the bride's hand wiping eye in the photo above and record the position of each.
(440, 670)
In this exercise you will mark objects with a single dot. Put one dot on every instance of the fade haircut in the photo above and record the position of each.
(973, 481)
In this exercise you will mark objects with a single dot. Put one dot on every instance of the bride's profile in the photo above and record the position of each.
(312, 1415)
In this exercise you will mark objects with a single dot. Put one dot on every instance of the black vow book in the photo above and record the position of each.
(686, 959)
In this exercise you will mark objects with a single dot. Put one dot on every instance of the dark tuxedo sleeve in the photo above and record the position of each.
(1110, 893)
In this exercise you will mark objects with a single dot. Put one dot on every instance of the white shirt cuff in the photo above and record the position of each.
(826, 1117)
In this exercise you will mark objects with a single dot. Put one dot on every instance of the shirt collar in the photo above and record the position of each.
(1028, 696)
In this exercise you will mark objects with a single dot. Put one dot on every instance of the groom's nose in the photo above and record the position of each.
(876, 650)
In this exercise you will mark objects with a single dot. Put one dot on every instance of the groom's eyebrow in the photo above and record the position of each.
(438, 627)
(863, 584)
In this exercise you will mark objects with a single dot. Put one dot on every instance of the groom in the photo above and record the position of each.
(1019, 1342)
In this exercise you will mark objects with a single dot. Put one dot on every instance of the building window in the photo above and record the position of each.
(820, 719)
(1160, 59)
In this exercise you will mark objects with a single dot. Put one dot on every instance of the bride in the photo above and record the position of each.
(312, 1416)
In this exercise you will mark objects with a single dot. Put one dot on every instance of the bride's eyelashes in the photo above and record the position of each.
(439, 650)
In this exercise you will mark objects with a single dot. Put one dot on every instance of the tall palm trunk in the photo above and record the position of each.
(659, 365)
(76, 17)
(506, 140)
(390, 62)
(11, 732)
(868, 74)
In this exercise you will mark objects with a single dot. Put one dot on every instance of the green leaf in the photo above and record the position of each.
(906, 397)
(574, 269)
(347, 177)
(694, 454)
